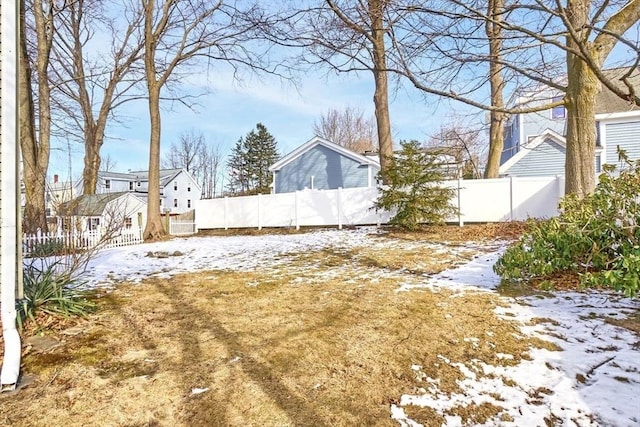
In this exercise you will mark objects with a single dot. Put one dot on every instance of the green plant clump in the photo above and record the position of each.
(48, 248)
(597, 237)
(50, 291)
(414, 188)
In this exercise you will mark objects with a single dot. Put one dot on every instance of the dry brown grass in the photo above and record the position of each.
(325, 340)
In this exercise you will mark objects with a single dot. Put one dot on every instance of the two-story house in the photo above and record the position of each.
(178, 189)
(56, 193)
(535, 142)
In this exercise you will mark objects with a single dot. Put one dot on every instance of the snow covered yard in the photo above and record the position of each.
(331, 328)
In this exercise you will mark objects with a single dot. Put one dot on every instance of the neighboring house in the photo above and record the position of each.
(320, 164)
(57, 192)
(178, 189)
(107, 212)
(535, 143)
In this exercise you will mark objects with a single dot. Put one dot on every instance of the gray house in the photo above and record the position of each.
(320, 164)
(535, 143)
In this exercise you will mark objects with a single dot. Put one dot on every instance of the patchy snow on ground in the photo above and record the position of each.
(593, 381)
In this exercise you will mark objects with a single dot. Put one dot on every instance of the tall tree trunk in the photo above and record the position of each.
(580, 100)
(91, 162)
(35, 150)
(496, 131)
(582, 88)
(154, 229)
(381, 95)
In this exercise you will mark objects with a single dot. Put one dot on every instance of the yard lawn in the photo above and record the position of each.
(328, 328)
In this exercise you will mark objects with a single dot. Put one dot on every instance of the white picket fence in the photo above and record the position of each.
(38, 243)
(482, 200)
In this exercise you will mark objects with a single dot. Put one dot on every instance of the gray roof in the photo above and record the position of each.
(166, 175)
(88, 204)
(607, 101)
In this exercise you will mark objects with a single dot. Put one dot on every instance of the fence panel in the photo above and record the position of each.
(43, 244)
(178, 227)
(482, 200)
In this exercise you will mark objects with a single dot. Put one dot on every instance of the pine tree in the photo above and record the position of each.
(414, 189)
(250, 161)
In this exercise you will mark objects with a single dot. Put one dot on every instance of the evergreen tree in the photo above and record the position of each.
(250, 160)
(414, 188)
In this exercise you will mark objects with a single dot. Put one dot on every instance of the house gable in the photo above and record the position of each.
(542, 156)
(292, 156)
(322, 165)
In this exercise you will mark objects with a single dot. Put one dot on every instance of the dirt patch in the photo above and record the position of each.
(632, 322)
(511, 230)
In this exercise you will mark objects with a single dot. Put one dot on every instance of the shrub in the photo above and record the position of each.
(49, 291)
(414, 189)
(48, 248)
(596, 237)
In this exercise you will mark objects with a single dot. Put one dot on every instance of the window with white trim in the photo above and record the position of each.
(175, 203)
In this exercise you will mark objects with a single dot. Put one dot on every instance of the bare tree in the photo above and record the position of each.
(535, 55)
(585, 58)
(350, 37)
(177, 34)
(35, 118)
(463, 142)
(108, 163)
(211, 171)
(186, 153)
(94, 86)
(493, 29)
(348, 128)
(201, 159)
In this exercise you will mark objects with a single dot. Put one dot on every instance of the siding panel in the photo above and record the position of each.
(627, 136)
(544, 160)
(328, 168)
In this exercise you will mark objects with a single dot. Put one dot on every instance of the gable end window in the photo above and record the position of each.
(175, 203)
(175, 186)
(189, 188)
(189, 203)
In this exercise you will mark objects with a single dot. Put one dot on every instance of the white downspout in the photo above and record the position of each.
(10, 259)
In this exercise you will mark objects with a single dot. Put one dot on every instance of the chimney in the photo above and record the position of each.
(55, 178)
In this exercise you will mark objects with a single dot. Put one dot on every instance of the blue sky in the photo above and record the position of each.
(231, 109)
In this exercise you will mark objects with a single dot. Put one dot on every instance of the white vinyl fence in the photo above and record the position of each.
(182, 227)
(46, 243)
(482, 200)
